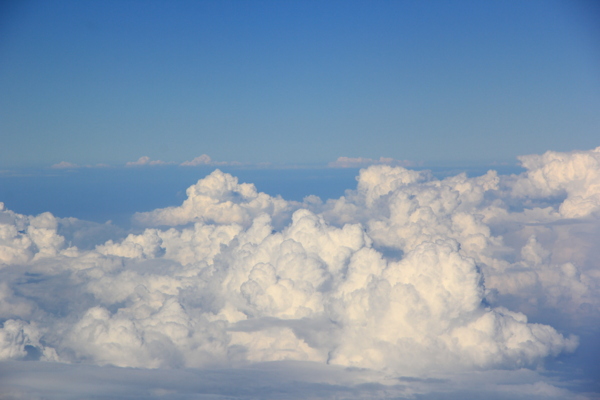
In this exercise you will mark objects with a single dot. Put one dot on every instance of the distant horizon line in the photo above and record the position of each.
(342, 162)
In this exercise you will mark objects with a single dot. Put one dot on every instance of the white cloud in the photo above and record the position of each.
(68, 165)
(145, 160)
(358, 162)
(206, 160)
(200, 160)
(17, 336)
(64, 165)
(218, 198)
(406, 275)
(576, 174)
(28, 238)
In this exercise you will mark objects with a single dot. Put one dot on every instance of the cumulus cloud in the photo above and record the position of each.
(218, 198)
(575, 175)
(200, 160)
(27, 238)
(406, 275)
(204, 160)
(358, 162)
(145, 160)
(64, 165)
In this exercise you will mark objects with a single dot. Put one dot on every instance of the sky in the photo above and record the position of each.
(290, 200)
(296, 82)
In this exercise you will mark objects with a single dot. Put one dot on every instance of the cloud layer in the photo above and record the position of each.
(406, 274)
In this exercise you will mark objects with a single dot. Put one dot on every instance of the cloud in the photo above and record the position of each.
(206, 160)
(200, 160)
(145, 160)
(404, 276)
(358, 162)
(576, 174)
(274, 380)
(68, 165)
(218, 198)
(64, 165)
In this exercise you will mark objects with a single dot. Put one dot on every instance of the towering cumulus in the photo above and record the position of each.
(406, 274)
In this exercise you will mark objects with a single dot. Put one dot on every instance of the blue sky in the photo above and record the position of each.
(296, 82)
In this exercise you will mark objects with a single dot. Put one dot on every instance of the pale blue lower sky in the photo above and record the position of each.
(102, 194)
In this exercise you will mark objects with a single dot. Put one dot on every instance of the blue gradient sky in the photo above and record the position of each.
(296, 82)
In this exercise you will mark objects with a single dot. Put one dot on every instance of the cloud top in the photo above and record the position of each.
(406, 274)
(64, 165)
(358, 162)
(575, 174)
(145, 160)
(218, 198)
(204, 160)
(200, 160)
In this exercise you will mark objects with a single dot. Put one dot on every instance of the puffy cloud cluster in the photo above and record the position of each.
(220, 199)
(575, 175)
(24, 239)
(406, 274)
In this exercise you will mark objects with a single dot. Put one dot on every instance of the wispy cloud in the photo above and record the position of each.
(64, 165)
(202, 160)
(357, 162)
(69, 165)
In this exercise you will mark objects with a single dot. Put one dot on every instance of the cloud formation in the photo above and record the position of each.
(220, 199)
(358, 162)
(145, 160)
(575, 174)
(407, 275)
(69, 165)
(204, 160)
(64, 165)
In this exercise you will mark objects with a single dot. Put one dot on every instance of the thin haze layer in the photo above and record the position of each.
(407, 274)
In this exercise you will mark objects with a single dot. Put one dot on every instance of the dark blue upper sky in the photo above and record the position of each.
(295, 82)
